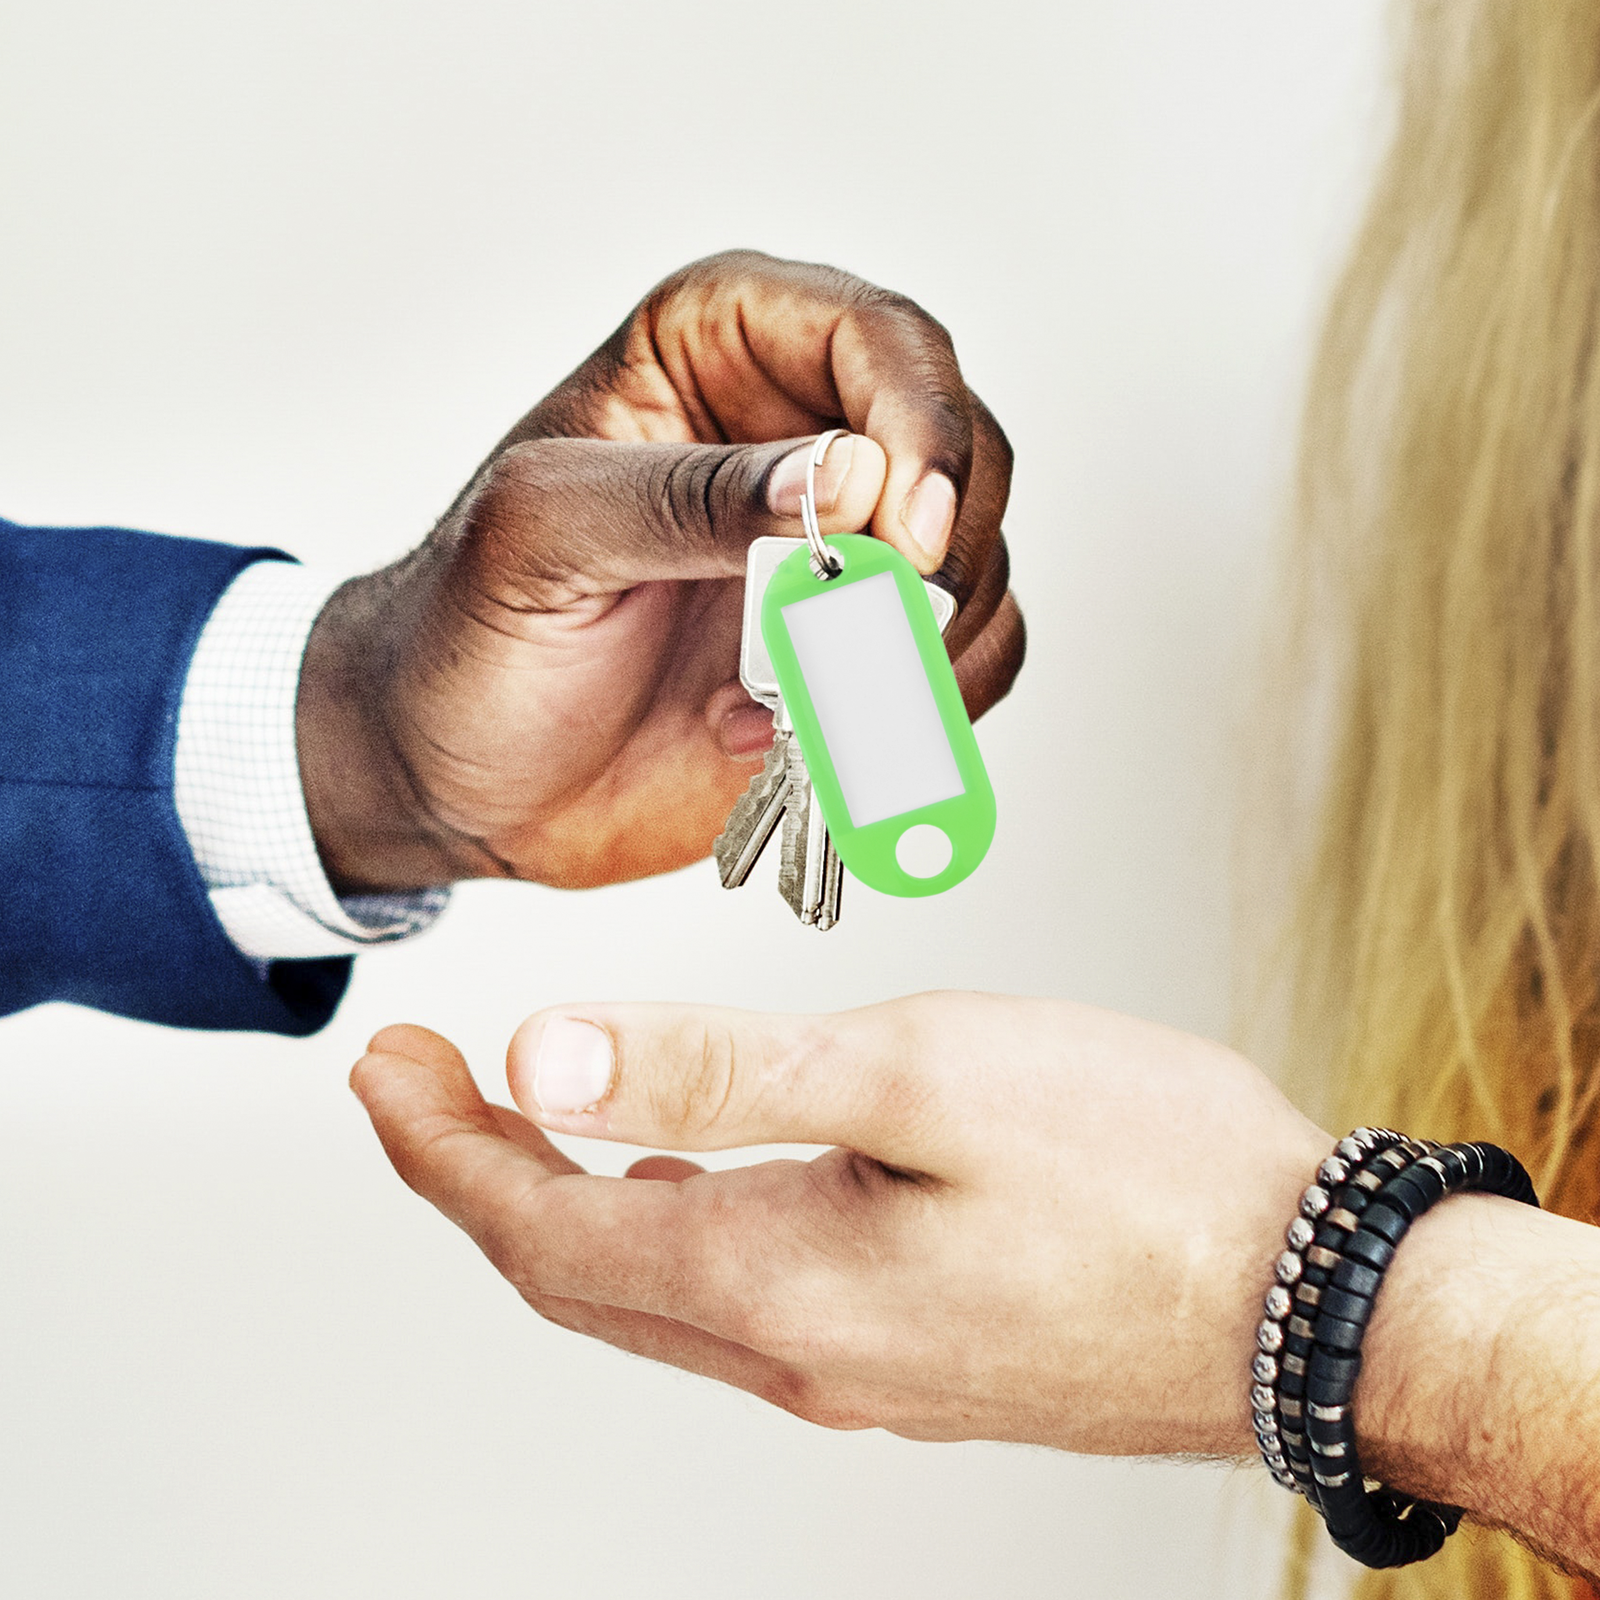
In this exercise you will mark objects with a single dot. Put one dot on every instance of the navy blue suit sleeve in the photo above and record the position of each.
(101, 903)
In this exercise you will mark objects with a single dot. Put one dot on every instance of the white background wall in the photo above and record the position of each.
(282, 273)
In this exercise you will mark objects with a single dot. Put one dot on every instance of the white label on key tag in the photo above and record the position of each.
(872, 700)
(756, 671)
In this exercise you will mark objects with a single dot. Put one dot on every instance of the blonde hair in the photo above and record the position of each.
(1448, 942)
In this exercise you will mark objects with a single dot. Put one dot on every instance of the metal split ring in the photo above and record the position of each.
(824, 563)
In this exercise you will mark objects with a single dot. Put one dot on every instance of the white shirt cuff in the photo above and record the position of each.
(237, 781)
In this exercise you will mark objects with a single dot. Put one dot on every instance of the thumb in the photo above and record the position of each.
(709, 1078)
(636, 512)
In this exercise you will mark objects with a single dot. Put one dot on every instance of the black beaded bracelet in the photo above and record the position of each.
(1324, 1258)
(1342, 1260)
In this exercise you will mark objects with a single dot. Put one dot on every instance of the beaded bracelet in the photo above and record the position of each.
(1337, 1264)
(1323, 1258)
(1283, 1341)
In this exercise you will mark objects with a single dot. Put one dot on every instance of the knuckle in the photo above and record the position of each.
(725, 263)
(977, 570)
(1011, 646)
(979, 590)
(790, 1391)
(695, 1103)
(890, 305)
(989, 666)
(944, 406)
(840, 1415)
(731, 1256)
(945, 423)
(990, 439)
(997, 574)
(924, 359)
(433, 1156)
(804, 1395)
(511, 1245)
(553, 1310)
(514, 1260)
(499, 527)
(520, 479)
(695, 284)
(688, 493)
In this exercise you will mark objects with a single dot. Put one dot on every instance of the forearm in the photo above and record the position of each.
(1481, 1380)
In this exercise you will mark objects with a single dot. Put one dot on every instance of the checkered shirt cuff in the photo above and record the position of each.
(237, 781)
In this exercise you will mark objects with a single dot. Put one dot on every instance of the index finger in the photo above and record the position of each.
(550, 1228)
(836, 348)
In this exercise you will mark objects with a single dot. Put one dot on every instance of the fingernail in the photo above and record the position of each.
(573, 1067)
(745, 731)
(928, 514)
(787, 485)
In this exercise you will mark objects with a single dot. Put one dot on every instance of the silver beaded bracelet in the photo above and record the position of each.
(1283, 1338)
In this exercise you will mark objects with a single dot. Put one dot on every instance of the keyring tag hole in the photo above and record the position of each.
(923, 850)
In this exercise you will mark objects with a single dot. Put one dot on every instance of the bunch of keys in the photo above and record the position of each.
(810, 873)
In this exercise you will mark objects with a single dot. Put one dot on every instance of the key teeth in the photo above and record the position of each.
(754, 818)
(793, 784)
(832, 887)
(791, 861)
(813, 854)
(810, 874)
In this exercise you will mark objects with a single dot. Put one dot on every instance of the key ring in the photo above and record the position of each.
(824, 563)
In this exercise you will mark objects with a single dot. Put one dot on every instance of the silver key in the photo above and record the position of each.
(810, 874)
(832, 887)
(820, 884)
(808, 865)
(758, 812)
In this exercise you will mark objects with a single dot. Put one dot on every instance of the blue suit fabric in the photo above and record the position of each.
(101, 903)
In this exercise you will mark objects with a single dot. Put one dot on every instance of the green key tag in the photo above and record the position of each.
(887, 742)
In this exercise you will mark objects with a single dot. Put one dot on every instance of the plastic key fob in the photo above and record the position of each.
(874, 703)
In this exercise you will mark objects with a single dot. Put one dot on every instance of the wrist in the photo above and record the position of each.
(369, 817)
(1422, 1366)
(1473, 1370)
(1275, 1198)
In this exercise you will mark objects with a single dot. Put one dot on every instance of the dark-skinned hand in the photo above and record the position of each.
(547, 688)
